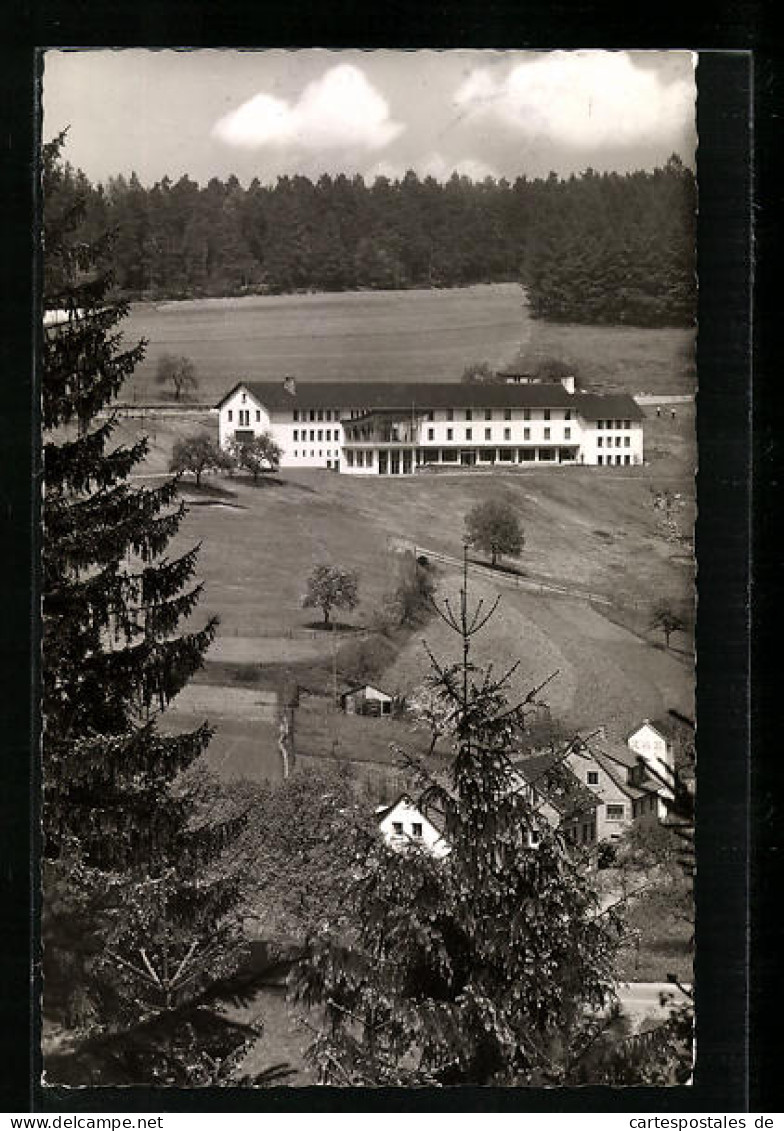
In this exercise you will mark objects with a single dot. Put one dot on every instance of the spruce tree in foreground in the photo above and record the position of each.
(488, 967)
(139, 899)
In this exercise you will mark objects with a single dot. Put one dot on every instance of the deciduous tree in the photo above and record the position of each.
(493, 527)
(330, 587)
(197, 455)
(260, 454)
(179, 372)
(666, 618)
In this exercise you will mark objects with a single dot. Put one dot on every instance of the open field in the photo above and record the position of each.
(418, 335)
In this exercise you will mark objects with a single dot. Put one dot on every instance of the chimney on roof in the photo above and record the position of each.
(290, 386)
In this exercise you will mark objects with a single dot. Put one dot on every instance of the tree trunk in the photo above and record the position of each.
(198, 478)
(493, 556)
(326, 614)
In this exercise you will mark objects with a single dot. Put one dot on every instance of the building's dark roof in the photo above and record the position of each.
(373, 396)
(603, 406)
(553, 780)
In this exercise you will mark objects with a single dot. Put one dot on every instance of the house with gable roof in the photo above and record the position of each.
(560, 796)
(403, 825)
(375, 428)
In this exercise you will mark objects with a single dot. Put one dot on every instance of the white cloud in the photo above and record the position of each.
(339, 110)
(580, 98)
(434, 165)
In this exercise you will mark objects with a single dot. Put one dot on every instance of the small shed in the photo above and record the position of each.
(364, 699)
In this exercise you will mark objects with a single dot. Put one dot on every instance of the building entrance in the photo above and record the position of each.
(468, 459)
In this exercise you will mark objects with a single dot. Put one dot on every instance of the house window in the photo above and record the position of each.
(350, 458)
(567, 433)
(627, 459)
(449, 433)
(526, 414)
(360, 459)
(296, 435)
(507, 414)
(547, 433)
(328, 435)
(312, 435)
(593, 777)
(416, 828)
(568, 414)
(600, 460)
(230, 415)
(506, 455)
(617, 441)
(547, 414)
(450, 415)
(627, 423)
(321, 434)
(311, 415)
(328, 414)
(599, 441)
(488, 414)
(244, 397)
(397, 827)
(469, 414)
(429, 415)
(296, 414)
(526, 433)
(469, 434)
(488, 433)
(507, 433)
(615, 812)
(600, 424)
(244, 415)
(627, 441)
(431, 434)
(320, 414)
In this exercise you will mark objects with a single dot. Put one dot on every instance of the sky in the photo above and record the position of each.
(211, 113)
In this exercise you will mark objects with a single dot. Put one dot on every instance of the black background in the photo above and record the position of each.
(740, 87)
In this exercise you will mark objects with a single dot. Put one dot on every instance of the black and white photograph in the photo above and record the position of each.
(368, 594)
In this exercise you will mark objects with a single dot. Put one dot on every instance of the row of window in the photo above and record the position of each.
(304, 454)
(627, 443)
(315, 435)
(416, 828)
(626, 460)
(243, 417)
(469, 434)
(317, 414)
(610, 424)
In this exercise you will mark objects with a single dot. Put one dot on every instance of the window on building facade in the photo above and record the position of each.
(398, 828)
(567, 433)
(360, 459)
(244, 417)
(526, 433)
(230, 415)
(600, 424)
(296, 414)
(244, 397)
(469, 414)
(617, 441)
(627, 423)
(627, 459)
(568, 414)
(328, 414)
(600, 460)
(546, 414)
(450, 414)
(320, 414)
(506, 455)
(599, 441)
(469, 434)
(450, 433)
(312, 435)
(507, 433)
(526, 414)
(615, 812)
(547, 433)
(507, 414)
(321, 433)
(416, 828)
(627, 443)
(488, 414)
(430, 415)
(311, 415)
(593, 777)
(488, 433)
(350, 458)
(296, 435)
(431, 434)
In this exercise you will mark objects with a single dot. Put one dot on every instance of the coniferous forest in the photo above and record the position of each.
(598, 248)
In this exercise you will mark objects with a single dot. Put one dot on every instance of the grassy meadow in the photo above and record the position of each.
(417, 335)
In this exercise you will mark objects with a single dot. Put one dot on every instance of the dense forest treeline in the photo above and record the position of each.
(606, 248)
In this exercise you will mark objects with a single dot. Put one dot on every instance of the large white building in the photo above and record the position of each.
(367, 428)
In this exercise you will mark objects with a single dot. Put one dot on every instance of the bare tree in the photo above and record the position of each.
(179, 372)
(665, 617)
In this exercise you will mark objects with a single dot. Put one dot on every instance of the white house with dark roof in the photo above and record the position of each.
(369, 428)
(403, 825)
